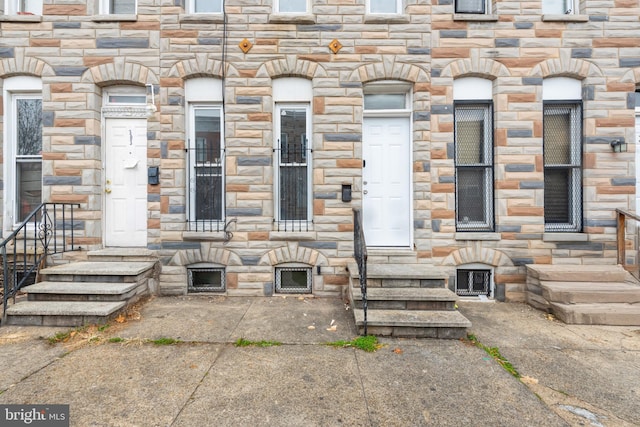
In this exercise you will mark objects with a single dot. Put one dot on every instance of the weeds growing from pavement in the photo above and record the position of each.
(367, 343)
(241, 342)
(494, 352)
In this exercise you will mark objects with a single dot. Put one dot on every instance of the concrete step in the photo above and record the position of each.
(122, 255)
(62, 313)
(598, 314)
(406, 298)
(590, 292)
(413, 323)
(82, 291)
(577, 273)
(398, 271)
(95, 271)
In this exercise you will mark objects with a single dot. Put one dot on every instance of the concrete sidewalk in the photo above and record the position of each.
(572, 375)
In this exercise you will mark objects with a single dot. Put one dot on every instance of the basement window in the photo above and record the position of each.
(206, 280)
(293, 280)
(473, 282)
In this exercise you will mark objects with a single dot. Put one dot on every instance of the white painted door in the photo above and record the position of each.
(126, 182)
(386, 182)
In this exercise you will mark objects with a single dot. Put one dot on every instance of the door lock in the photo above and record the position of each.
(107, 190)
(365, 192)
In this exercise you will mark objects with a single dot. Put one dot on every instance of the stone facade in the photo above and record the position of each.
(78, 53)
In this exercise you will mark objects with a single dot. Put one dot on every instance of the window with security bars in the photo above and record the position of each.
(562, 133)
(471, 6)
(293, 155)
(206, 160)
(28, 154)
(473, 282)
(293, 280)
(206, 280)
(474, 166)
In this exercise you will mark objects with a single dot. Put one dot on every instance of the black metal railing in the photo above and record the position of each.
(47, 230)
(360, 253)
(206, 188)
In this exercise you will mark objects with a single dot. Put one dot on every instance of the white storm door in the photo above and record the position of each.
(386, 182)
(126, 182)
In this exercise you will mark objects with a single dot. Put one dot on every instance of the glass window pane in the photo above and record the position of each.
(383, 6)
(470, 135)
(29, 187)
(293, 193)
(557, 136)
(293, 135)
(637, 99)
(297, 6)
(557, 188)
(471, 195)
(470, 6)
(554, 7)
(127, 99)
(207, 133)
(123, 6)
(384, 101)
(29, 112)
(32, 7)
(207, 6)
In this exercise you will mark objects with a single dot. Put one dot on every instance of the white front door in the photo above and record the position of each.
(125, 182)
(386, 182)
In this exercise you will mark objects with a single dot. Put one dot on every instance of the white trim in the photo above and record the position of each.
(105, 8)
(472, 88)
(561, 89)
(12, 7)
(292, 89)
(192, 8)
(568, 7)
(13, 88)
(203, 89)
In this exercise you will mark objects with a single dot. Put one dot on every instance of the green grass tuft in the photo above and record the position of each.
(116, 339)
(494, 352)
(241, 342)
(368, 343)
(165, 341)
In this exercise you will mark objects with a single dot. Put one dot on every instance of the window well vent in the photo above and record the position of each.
(473, 282)
(293, 280)
(206, 280)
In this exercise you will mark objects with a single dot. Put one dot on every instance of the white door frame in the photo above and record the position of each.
(135, 112)
(393, 114)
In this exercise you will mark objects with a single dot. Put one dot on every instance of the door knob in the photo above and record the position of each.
(365, 192)
(107, 190)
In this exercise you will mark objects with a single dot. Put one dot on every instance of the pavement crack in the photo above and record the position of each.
(362, 387)
(191, 397)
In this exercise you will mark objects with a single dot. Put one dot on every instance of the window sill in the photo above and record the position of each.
(205, 236)
(480, 17)
(202, 18)
(294, 236)
(386, 18)
(565, 18)
(284, 18)
(477, 235)
(114, 18)
(564, 237)
(20, 18)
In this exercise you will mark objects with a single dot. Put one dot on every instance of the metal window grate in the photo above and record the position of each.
(206, 184)
(206, 280)
(473, 282)
(293, 280)
(474, 166)
(562, 166)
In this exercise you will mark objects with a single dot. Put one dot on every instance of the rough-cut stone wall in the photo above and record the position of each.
(78, 53)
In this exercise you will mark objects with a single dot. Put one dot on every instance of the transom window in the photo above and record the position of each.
(293, 280)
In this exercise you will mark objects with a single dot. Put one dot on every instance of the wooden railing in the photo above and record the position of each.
(628, 241)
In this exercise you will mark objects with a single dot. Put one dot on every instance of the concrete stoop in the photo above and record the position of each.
(85, 292)
(406, 301)
(584, 294)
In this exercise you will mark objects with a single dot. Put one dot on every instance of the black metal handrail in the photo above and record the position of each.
(47, 230)
(360, 253)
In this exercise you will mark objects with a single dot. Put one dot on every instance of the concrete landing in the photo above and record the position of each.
(99, 268)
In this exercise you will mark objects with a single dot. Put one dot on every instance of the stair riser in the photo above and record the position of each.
(405, 283)
(609, 319)
(71, 321)
(96, 278)
(592, 297)
(76, 297)
(407, 305)
(104, 258)
(414, 332)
